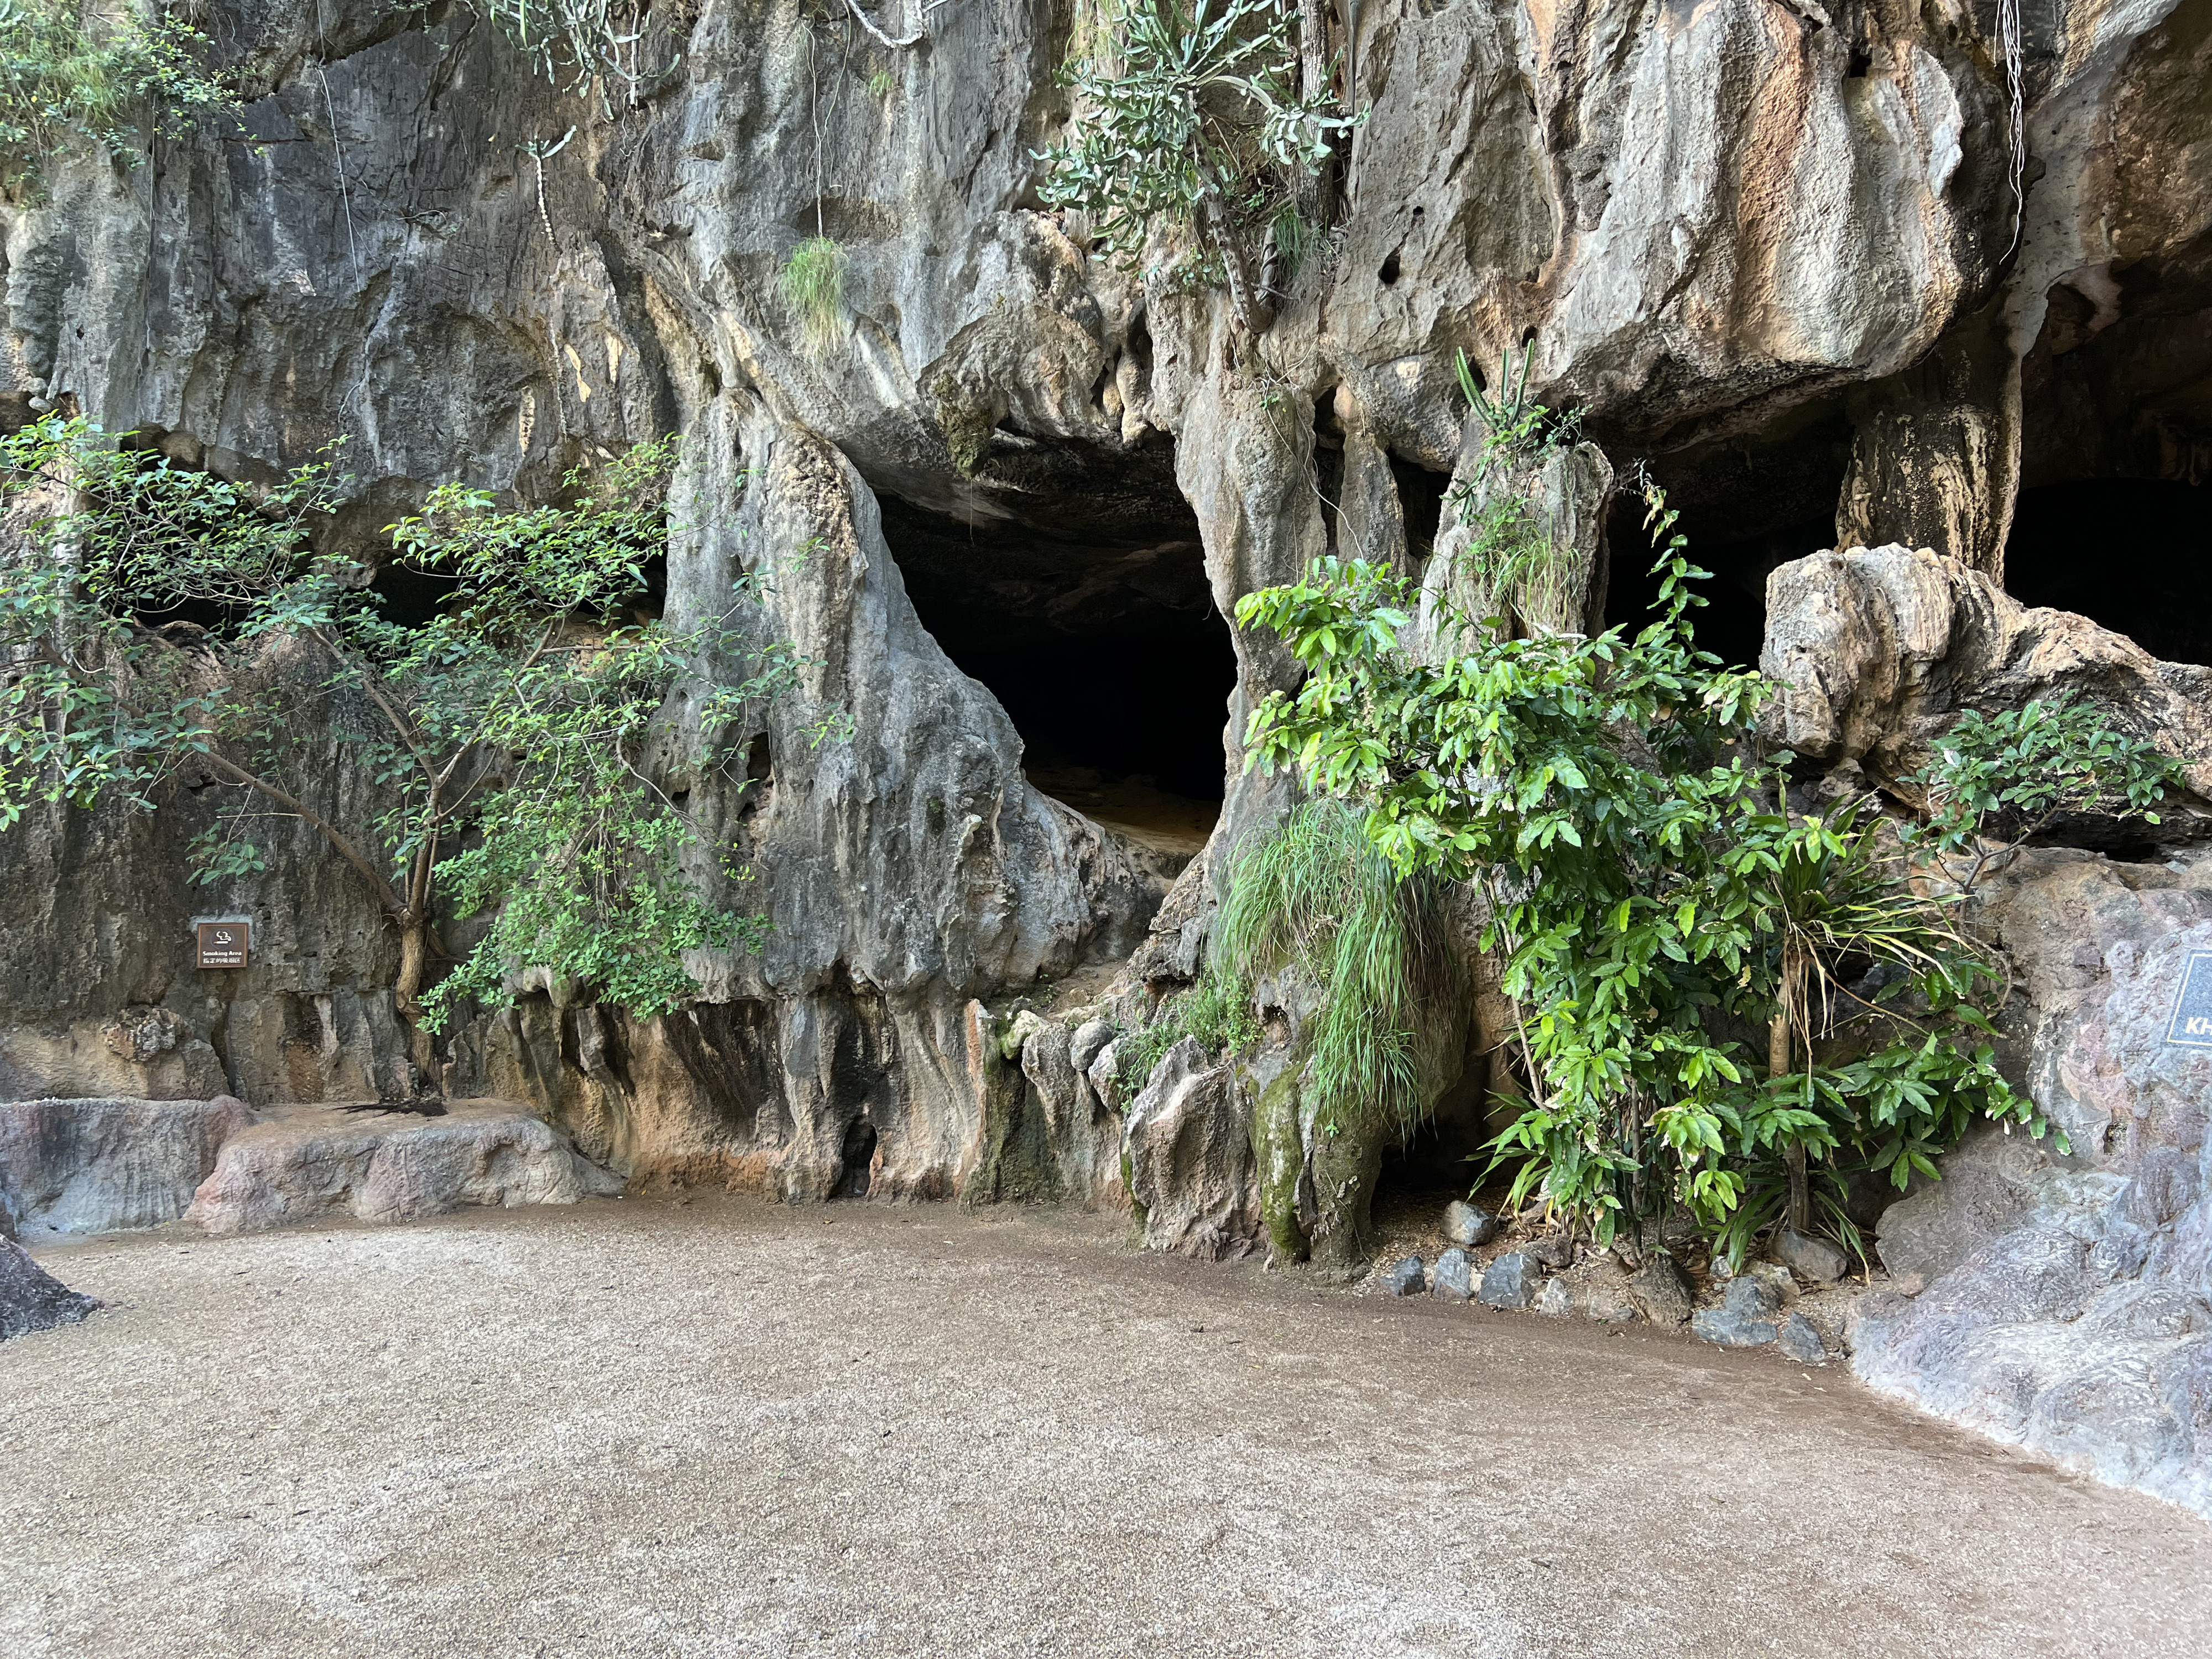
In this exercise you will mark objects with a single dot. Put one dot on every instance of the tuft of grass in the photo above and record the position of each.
(883, 83)
(814, 283)
(1294, 241)
(1316, 896)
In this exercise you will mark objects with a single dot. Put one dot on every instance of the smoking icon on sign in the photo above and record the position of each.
(2192, 1009)
(222, 944)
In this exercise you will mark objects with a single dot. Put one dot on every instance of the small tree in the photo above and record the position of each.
(1218, 114)
(1654, 906)
(160, 622)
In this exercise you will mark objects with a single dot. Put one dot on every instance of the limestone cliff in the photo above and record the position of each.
(1773, 249)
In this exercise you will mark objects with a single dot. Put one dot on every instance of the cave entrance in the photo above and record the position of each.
(1747, 504)
(2130, 553)
(1080, 600)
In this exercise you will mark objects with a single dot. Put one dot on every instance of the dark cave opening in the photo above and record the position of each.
(2130, 553)
(1746, 505)
(856, 1156)
(1421, 504)
(1091, 619)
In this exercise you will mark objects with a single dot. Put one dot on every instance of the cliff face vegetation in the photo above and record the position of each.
(1835, 277)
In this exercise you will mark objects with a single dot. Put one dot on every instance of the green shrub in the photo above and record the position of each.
(1653, 908)
(73, 75)
(2025, 768)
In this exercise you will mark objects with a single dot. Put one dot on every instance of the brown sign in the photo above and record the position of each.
(222, 944)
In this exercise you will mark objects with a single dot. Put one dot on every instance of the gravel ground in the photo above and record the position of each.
(732, 1429)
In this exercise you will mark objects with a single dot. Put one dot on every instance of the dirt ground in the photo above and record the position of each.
(732, 1429)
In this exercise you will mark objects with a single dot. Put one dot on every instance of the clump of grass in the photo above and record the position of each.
(1294, 241)
(814, 283)
(1314, 895)
(1217, 1011)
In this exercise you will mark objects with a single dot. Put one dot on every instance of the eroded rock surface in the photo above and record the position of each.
(2070, 1302)
(307, 1163)
(1189, 1158)
(98, 1166)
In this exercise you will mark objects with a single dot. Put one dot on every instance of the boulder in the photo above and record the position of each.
(74, 1167)
(1467, 1224)
(1731, 1328)
(1189, 1154)
(1752, 1296)
(1407, 1277)
(1876, 651)
(310, 1162)
(32, 1299)
(1455, 1275)
(1511, 1281)
(1556, 1300)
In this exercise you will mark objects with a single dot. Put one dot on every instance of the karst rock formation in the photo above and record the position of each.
(1851, 280)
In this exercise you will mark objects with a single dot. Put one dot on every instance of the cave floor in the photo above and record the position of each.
(726, 1427)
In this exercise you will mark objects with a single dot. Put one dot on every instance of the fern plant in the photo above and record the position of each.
(814, 284)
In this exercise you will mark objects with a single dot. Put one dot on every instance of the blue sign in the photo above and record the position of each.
(2192, 1009)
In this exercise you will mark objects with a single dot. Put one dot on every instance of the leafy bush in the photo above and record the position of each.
(73, 75)
(1654, 910)
(2025, 769)
(505, 736)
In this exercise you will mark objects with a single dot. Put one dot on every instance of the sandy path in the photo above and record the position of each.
(736, 1429)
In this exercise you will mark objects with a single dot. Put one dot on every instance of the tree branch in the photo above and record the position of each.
(385, 895)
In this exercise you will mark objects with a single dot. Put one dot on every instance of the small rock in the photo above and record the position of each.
(1801, 1342)
(1751, 1297)
(1454, 1276)
(1731, 1329)
(32, 1299)
(1813, 1259)
(1719, 1267)
(1511, 1281)
(1777, 1279)
(1555, 1299)
(1406, 1279)
(1661, 1289)
(1554, 1250)
(1467, 1224)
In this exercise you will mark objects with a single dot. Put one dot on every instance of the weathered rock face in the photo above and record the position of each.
(2068, 1298)
(1726, 225)
(1878, 651)
(97, 1166)
(308, 1162)
(1189, 1158)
